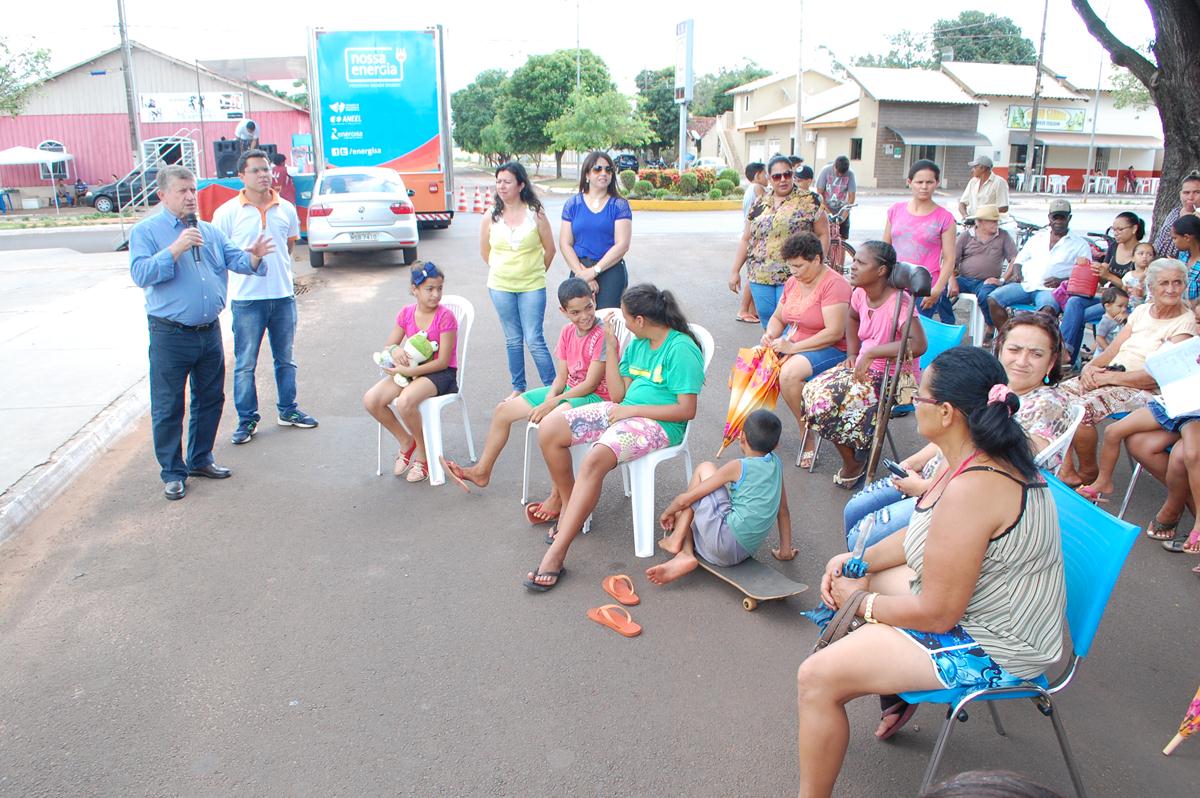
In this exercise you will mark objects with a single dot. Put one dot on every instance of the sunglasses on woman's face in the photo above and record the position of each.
(782, 176)
(598, 168)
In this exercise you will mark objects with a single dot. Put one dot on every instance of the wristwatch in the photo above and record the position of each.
(598, 269)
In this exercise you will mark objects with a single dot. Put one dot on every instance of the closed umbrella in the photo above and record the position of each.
(1190, 725)
(753, 384)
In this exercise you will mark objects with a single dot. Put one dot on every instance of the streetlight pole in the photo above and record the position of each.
(131, 106)
(797, 148)
(1031, 148)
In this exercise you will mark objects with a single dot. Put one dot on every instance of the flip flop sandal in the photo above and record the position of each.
(1192, 544)
(418, 471)
(848, 483)
(1091, 494)
(1161, 530)
(902, 708)
(607, 616)
(1175, 544)
(748, 319)
(806, 460)
(455, 471)
(540, 588)
(531, 511)
(620, 587)
(1196, 570)
(551, 534)
(403, 461)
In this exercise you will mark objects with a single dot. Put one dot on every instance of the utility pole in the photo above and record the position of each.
(131, 104)
(1095, 111)
(798, 146)
(1031, 148)
(577, 69)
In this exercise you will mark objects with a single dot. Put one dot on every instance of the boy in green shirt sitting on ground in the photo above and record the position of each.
(727, 512)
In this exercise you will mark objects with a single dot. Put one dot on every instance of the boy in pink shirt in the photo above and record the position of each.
(578, 380)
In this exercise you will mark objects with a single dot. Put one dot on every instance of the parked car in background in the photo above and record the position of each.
(716, 164)
(625, 160)
(111, 196)
(361, 209)
(656, 163)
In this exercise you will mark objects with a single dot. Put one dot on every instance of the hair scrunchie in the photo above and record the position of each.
(999, 394)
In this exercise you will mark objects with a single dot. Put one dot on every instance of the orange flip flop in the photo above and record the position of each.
(620, 587)
(606, 617)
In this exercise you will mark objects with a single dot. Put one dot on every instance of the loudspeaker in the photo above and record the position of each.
(225, 154)
(269, 149)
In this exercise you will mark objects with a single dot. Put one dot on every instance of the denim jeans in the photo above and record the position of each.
(943, 309)
(179, 358)
(765, 297)
(251, 318)
(890, 508)
(981, 290)
(1078, 313)
(521, 317)
(1014, 294)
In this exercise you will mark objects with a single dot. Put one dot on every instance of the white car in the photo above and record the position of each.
(716, 164)
(361, 208)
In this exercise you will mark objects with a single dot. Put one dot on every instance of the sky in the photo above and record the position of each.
(630, 35)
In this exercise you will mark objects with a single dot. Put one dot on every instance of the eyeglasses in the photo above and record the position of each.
(598, 168)
(925, 400)
(777, 176)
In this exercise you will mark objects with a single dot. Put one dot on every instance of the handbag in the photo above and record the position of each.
(844, 622)
(906, 386)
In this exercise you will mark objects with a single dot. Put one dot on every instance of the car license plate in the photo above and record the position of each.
(363, 236)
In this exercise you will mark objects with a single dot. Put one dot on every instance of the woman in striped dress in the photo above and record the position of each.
(971, 594)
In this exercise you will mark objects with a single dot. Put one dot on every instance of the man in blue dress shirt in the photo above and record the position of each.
(183, 267)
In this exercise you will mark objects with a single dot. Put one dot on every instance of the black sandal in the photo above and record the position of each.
(537, 587)
(1161, 530)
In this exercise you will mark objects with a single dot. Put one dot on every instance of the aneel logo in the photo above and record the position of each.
(375, 66)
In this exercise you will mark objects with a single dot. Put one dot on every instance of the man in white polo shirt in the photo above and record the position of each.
(984, 188)
(267, 304)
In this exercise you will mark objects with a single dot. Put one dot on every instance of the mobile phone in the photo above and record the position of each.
(895, 468)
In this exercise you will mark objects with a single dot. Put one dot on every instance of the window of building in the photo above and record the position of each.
(52, 171)
(924, 151)
(856, 149)
(746, 102)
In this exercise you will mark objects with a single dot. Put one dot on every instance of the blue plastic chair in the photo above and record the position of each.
(938, 338)
(1094, 545)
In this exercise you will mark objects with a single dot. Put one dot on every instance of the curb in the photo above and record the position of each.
(685, 205)
(34, 492)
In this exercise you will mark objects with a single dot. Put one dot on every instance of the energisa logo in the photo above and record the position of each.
(375, 66)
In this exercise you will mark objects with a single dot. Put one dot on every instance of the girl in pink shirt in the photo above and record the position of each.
(922, 232)
(435, 377)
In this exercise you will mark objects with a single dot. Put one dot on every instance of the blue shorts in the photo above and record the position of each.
(1159, 411)
(960, 661)
(823, 359)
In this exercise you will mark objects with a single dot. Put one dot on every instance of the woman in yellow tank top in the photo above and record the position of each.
(517, 244)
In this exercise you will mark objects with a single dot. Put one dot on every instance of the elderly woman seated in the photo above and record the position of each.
(971, 594)
(1116, 380)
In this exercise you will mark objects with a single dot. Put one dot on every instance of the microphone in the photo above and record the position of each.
(191, 221)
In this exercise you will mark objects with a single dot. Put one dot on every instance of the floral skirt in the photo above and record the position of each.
(841, 408)
(1100, 403)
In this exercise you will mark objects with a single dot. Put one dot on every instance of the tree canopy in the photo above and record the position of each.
(656, 102)
(473, 108)
(709, 98)
(19, 73)
(599, 122)
(539, 90)
(972, 35)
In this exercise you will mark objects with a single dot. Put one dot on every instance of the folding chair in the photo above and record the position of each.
(1094, 546)
(431, 409)
(975, 322)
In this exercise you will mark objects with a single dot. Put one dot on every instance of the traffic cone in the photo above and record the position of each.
(478, 205)
(488, 200)
(462, 199)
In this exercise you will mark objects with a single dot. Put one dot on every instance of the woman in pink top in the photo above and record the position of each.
(808, 325)
(923, 234)
(841, 403)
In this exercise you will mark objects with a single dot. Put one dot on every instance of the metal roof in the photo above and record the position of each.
(1006, 80)
(1102, 140)
(911, 86)
(816, 105)
(778, 76)
(941, 137)
(846, 116)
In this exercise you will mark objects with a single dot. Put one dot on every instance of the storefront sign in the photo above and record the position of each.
(182, 106)
(1067, 120)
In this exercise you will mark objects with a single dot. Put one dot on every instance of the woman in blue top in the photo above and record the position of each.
(596, 227)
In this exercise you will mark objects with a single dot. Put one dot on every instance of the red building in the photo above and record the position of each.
(83, 109)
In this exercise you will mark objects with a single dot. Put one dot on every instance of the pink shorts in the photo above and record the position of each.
(629, 438)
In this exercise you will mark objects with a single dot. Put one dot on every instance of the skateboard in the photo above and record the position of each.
(757, 581)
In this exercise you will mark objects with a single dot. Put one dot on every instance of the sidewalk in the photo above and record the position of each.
(73, 355)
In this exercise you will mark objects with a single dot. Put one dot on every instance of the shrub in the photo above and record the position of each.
(642, 187)
(724, 186)
(689, 183)
(705, 178)
(660, 178)
(660, 193)
(628, 178)
(715, 193)
(729, 174)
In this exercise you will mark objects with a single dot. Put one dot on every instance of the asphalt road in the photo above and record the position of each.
(309, 628)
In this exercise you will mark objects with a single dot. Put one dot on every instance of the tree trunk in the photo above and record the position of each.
(1174, 85)
(558, 156)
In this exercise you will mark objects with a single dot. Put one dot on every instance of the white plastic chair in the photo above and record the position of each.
(641, 470)
(431, 409)
(975, 323)
(580, 451)
(1059, 445)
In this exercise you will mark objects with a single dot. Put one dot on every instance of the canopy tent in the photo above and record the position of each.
(27, 156)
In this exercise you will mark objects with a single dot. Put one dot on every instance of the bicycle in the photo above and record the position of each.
(839, 248)
(1025, 230)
